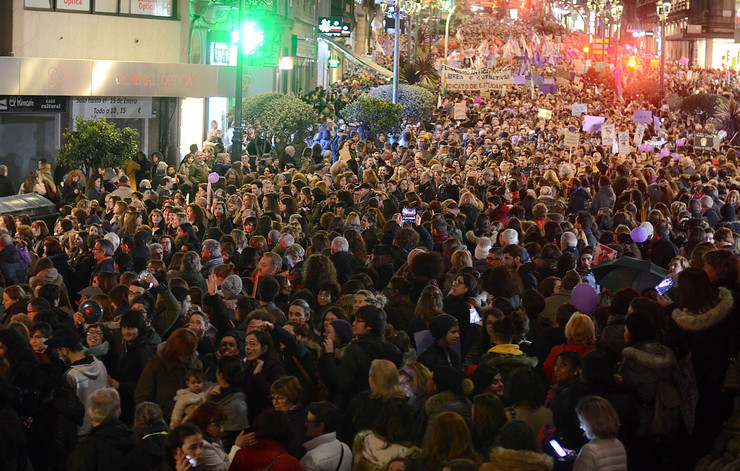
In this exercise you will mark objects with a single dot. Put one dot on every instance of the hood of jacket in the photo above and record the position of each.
(98, 351)
(653, 356)
(506, 349)
(379, 452)
(707, 319)
(503, 459)
(92, 370)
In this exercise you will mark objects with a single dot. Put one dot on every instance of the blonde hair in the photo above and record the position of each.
(384, 381)
(461, 259)
(580, 330)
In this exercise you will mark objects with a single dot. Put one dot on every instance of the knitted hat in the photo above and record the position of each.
(482, 248)
(90, 291)
(231, 287)
(343, 330)
(571, 280)
(449, 379)
(441, 324)
(46, 277)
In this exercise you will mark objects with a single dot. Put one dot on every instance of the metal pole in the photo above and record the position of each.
(397, 15)
(409, 45)
(447, 32)
(662, 56)
(602, 36)
(236, 140)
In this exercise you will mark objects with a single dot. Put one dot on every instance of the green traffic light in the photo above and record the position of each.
(253, 37)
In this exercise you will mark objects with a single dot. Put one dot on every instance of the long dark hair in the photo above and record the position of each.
(695, 292)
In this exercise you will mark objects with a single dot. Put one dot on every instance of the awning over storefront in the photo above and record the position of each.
(358, 59)
(68, 77)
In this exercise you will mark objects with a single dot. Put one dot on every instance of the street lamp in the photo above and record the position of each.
(397, 15)
(663, 9)
(449, 5)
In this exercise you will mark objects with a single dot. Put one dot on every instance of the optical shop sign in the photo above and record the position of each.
(113, 107)
(462, 80)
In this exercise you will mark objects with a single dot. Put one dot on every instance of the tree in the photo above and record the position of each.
(280, 112)
(375, 114)
(417, 102)
(421, 72)
(727, 117)
(702, 105)
(96, 143)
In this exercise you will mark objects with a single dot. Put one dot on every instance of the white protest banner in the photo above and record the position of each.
(571, 139)
(624, 142)
(607, 134)
(460, 111)
(461, 80)
(579, 108)
(544, 114)
(639, 133)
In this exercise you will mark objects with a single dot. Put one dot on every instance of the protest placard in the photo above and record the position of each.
(544, 114)
(642, 116)
(571, 139)
(624, 142)
(460, 111)
(607, 134)
(639, 133)
(578, 109)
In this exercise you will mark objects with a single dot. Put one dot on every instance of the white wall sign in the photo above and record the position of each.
(113, 107)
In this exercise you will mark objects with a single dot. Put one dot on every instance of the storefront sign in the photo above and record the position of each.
(113, 107)
(333, 61)
(29, 76)
(334, 27)
(475, 80)
(151, 7)
(32, 104)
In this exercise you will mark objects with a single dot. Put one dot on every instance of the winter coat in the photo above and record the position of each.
(109, 446)
(11, 267)
(323, 454)
(360, 415)
(14, 451)
(503, 459)
(372, 453)
(149, 451)
(261, 455)
(507, 358)
(235, 407)
(603, 198)
(53, 432)
(86, 376)
(257, 386)
(602, 455)
(435, 355)
(161, 379)
(648, 369)
(131, 363)
(578, 201)
(353, 372)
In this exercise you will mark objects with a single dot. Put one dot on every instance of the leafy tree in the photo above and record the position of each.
(417, 101)
(702, 105)
(727, 117)
(375, 114)
(96, 143)
(280, 112)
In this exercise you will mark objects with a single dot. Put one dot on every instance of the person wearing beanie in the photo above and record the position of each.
(570, 281)
(451, 395)
(446, 333)
(139, 345)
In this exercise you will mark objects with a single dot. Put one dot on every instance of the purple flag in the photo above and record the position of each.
(592, 123)
(519, 80)
(656, 120)
(642, 116)
(684, 60)
(548, 88)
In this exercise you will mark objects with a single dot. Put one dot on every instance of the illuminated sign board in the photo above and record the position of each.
(222, 53)
(334, 27)
(333, 61)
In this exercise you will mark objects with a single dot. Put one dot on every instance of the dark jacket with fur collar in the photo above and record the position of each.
(709, 336)
(645, 368)
(503, 459)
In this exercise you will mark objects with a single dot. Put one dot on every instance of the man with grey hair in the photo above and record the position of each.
(569, 242)
(284, 241)
(210, 256)
(294, 259)
(110, 444)
(344, 262)
(114, 240)
(6, 186)
(508, 237)
(707, 211)
(103, 254)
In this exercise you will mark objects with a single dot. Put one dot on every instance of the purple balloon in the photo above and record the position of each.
(213, 177)
(639, 234)
(584, 298)
(680, 143)
(664, 152)
(675, 155)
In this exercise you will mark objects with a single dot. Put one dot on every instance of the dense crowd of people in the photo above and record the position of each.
(377, 303)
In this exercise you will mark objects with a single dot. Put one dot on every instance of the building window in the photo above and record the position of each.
(148, 8)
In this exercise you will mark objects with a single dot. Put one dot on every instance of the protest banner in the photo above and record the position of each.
(578, 109)
(461, 80)
(571, 139)
(592, 123)
(639, 133)
(460, 111)
(642, 116)
(607, 134)
(624, 142)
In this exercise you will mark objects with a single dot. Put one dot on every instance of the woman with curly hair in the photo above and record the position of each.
(319, 270)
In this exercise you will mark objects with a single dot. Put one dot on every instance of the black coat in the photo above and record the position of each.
(352, 377)
(109, 446)
(6, 187)
(53, 433)
(105, 265)
(578, 201)
(345, 264)
(11, 267)
(131, 364)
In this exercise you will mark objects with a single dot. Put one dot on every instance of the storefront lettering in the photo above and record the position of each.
(166, 80)
(73, 2)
